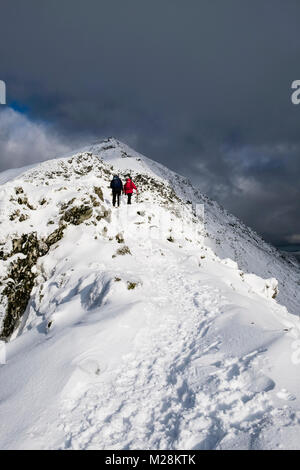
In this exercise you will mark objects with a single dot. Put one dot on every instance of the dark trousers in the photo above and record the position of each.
(116, 197)
(129, 198)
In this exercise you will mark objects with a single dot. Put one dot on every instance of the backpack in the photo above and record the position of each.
(116, 184)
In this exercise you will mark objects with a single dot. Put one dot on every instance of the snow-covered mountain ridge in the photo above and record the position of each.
(159, 325)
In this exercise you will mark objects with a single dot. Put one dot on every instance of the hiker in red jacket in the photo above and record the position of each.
(129, 186)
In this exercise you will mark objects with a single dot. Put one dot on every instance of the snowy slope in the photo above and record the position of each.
(155, 326)
(224, 233)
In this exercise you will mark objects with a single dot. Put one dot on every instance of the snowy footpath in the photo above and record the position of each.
(137, 339)
(191, 358)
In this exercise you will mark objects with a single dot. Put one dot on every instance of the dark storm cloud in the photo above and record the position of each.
(201, 85)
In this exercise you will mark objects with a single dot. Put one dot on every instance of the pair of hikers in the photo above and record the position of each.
(117, 187)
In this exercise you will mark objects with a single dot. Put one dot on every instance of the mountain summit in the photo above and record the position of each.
(167, 324)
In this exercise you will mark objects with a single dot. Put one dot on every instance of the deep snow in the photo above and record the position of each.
(155, 326)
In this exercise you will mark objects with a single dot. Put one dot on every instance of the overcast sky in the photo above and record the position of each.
(203, 86)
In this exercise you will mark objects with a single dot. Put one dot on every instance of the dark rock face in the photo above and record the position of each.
(22, 257)
(145, 183)
(21, 279)
(77, 215)
(122, 251)
(99, 192)
(21, 276)
(120, 238)
(103, 213)
(55, 236)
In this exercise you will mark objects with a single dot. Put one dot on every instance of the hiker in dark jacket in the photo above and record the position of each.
(117, 187)
(129, 186)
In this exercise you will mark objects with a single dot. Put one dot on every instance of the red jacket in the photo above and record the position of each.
(129, 186)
